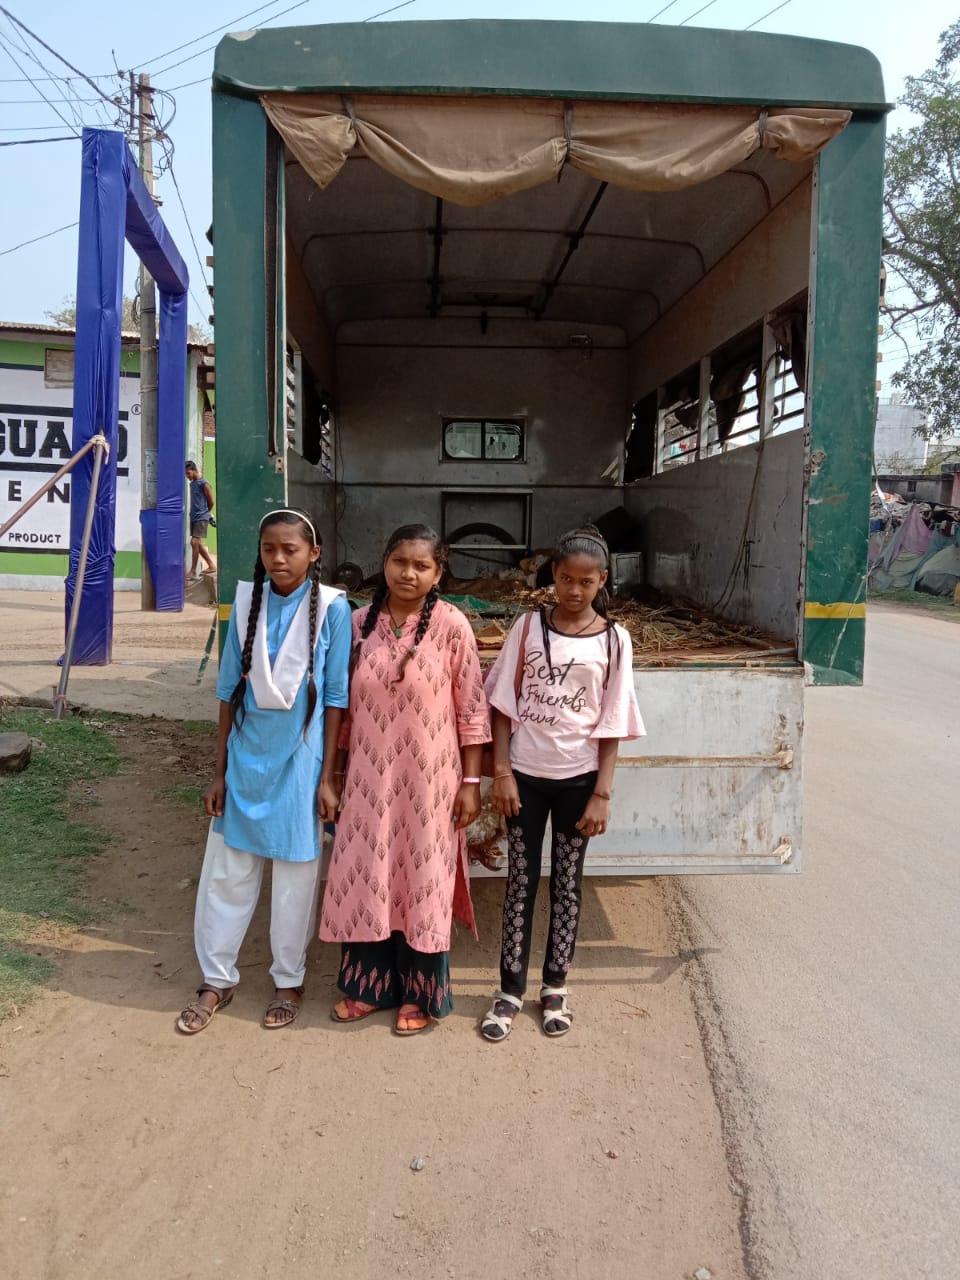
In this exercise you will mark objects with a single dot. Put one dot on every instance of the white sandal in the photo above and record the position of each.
(557, 1017)
(497, 1026)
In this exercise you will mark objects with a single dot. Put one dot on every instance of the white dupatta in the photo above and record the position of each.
(275, 687)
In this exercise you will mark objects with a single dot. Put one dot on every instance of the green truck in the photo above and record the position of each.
(504, 277)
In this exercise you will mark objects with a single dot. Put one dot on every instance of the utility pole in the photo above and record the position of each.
(148, 350)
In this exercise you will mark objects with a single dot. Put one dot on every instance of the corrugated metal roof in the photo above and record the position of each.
(60, 331)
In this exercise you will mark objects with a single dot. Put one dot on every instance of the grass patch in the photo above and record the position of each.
(184, 793)
(919, 601)
(200, 727)
(42, 853)
(20, 977)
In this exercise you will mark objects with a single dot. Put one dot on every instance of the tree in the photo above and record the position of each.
(66, 317)
(922, 239)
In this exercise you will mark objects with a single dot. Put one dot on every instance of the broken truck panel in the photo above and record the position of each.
(701, 356)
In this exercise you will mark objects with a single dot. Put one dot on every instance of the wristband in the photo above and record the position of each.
(602, 795)
(509, 774)
(472, 781)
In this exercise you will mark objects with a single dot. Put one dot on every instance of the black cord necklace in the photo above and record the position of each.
(584, 628)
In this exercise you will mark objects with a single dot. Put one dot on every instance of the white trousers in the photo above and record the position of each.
(226, 899)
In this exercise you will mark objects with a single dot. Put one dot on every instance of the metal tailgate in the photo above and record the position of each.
(716, 784)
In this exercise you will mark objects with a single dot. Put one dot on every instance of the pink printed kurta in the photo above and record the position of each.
(397, 862)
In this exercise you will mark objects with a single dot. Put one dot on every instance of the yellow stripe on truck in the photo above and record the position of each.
(842, 609)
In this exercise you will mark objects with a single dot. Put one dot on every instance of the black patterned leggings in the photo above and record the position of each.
(563, 800)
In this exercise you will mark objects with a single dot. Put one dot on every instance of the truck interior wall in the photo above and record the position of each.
(310, 492)
(767, 268)
(725, 532)
(399, 380)
(307, 325)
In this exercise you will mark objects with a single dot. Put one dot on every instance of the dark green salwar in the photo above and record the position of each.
(390, 973)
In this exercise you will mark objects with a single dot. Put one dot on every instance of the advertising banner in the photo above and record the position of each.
(36, 432)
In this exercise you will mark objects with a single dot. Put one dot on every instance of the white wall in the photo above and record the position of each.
(895, 443)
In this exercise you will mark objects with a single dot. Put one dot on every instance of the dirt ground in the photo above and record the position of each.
(131, 1150)
(156, 656)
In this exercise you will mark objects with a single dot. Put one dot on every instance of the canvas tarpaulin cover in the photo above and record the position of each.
(115, 205)
(471, 151)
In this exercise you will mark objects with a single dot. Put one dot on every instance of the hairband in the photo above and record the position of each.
(583, 533)
(289, 511)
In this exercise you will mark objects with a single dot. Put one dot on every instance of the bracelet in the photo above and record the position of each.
(602, 795)
(471, 781)
(503, 775)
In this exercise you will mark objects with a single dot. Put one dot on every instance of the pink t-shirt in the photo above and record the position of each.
(563, 708)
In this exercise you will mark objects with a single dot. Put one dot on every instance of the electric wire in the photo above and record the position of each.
(383, 12)
(227, 26)
(189, 85)
(200, 52)
(29, 102)
(768, 14)
(6, 48)
(71, 101)
(106, 75)
(23, 128)
(46, 236)
(272, 18)
(26, 142)
(193, 239)
(663, 10)
(696, 14)
(96, 88)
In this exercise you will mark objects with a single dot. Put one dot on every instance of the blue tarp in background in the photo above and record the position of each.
(115, 204)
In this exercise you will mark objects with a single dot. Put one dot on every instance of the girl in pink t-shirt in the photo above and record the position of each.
(562, 697)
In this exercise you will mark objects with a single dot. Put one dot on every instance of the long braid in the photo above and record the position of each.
(432, 596)
(601, 605)
(370, 621)
(246, 656)
(546, 636)
(311, 682)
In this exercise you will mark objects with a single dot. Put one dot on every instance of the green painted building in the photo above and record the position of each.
(36, 411)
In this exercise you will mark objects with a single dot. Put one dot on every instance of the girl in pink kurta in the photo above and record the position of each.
(417, 723)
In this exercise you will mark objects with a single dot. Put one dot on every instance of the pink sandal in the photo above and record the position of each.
(356, 1010)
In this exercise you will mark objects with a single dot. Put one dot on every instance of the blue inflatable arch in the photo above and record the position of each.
(115, 205)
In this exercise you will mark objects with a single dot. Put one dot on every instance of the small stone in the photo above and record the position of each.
(416, 1164)
(15, 751)
(703, 1273)
(612, 1155)
(398, 1213)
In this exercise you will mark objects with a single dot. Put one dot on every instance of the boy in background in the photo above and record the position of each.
(201, 514)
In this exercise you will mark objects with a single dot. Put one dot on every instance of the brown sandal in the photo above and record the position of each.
(199, 1010)
(290, 1007)
(413, 1012)
(357, 1010)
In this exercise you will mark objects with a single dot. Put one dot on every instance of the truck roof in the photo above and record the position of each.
(624, 61)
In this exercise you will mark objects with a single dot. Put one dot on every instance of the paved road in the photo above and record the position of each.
(830, 1003)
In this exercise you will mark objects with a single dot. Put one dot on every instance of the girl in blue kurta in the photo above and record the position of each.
(282, 690)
